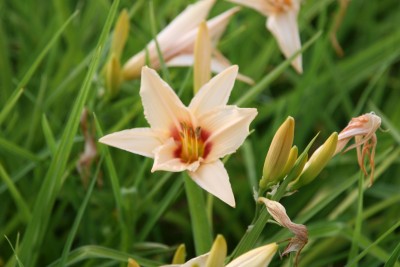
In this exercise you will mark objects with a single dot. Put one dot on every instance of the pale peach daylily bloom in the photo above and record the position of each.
(189, 138)
(363, 130)
(177, 41)
(282, 22)
(258, 257)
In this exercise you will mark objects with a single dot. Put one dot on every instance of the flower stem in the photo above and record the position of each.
(202, 233)
(358, 224)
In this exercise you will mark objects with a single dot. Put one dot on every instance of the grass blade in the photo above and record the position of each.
(52, 183)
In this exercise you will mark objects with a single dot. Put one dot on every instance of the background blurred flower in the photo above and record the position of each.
(282, 22)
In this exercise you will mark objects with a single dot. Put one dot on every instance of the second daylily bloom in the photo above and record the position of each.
(177, 41)
(282, 22)
(363, 130)
(189, 138)
(258, 257)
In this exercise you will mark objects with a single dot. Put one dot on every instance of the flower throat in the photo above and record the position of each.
(192, 143)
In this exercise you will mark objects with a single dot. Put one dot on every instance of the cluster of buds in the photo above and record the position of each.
(282, 155)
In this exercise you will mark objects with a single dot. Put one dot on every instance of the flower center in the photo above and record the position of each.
(278, 6)
(192, 143)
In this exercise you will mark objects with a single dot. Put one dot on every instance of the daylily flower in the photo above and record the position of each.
(282, 22)
(189, 138)
(278, 212)
(258, 257)
(363, 130)
(177, 41)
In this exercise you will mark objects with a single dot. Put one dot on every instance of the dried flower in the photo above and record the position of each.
(278, 212)
(282, 22)
(189, 138)
(363, 130)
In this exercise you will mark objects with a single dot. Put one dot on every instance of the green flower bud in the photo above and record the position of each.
(316, 163)
(217, 253)
(278, 154)
(180, 255)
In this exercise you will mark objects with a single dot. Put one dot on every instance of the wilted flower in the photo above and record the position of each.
(89, 154)
(189, 138)
(259, 257)
(363, 130)
(282, 22)
(278, 212)
(177, 41)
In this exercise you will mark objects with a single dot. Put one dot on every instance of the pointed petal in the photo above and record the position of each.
(189, 19)
(214, 93)
(217, 25)
(162, 107)
(259, 5)
(259, 257)
(198, 261)
(213, 178)
(140, 141)
(286, 31)
(228, 127)
(185, 43)
(165, 159)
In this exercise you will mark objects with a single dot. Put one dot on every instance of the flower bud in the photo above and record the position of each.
(112, 69)
(217, 253)
(317, 162)
(132, 263)
(113, 76)
(291, 160)
(278, 154)
(202, 57)
(180, 255)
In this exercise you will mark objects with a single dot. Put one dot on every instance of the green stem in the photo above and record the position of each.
(198, 214)
(357, 228)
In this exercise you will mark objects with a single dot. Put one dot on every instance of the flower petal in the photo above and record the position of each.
(183, 23)
(213, 178)
(214, 93)
(228, 127)
(140, 141)
(259, 5)
(286, 31)
(198, 261)
(218, 64)
(165, 160)
(162, 107)
(258, 257)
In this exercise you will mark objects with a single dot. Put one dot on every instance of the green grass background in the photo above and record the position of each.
(51, 55)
